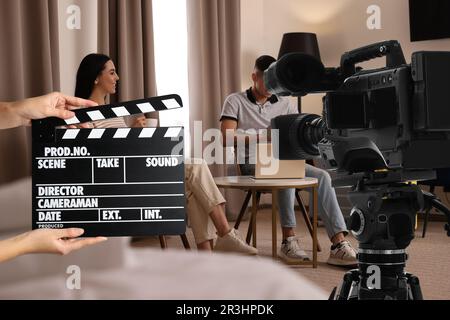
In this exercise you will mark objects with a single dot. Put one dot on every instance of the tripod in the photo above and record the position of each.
(383, 221)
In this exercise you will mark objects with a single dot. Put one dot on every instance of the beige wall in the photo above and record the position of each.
(75, 44)
(339, 24)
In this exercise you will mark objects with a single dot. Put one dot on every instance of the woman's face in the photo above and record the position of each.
(107, 80)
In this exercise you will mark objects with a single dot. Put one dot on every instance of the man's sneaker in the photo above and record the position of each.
(232, 242)
(343, 255)
(291, 252)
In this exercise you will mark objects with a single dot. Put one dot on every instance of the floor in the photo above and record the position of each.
(429, 257)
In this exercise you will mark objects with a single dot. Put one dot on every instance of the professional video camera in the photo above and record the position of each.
(380, 130)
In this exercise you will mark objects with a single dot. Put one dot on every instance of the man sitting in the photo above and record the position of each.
(254, 109)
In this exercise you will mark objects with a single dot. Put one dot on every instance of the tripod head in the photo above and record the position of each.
(373, 190)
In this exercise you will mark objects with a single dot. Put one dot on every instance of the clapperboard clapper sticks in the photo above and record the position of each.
(110, 182)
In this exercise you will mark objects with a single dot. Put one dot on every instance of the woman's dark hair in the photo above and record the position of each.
(90, 68)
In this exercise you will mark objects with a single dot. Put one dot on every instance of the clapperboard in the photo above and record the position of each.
(110, 182)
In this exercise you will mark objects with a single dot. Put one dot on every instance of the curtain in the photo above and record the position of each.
(29, 66)
(126, 34)
(214, 60)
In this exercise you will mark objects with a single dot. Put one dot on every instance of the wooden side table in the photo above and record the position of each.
(249, 183)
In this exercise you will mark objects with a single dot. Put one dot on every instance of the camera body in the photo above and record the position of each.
(391, 118)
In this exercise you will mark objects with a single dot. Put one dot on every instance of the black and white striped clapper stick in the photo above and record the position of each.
(111, 181)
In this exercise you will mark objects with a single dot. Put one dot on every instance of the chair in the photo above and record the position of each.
(258, 198)
(442, 180)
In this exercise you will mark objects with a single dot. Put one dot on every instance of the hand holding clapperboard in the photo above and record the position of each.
(110, 182)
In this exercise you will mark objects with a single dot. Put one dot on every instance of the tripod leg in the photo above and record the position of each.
(333, 294)
(349, 278)
(427, 214)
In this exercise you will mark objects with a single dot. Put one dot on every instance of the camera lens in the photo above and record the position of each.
(294, 74)
(299, 135)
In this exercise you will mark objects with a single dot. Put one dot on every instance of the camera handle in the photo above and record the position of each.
(391, 49)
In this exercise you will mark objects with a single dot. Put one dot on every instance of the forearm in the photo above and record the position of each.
(12, 247)
(10, 117)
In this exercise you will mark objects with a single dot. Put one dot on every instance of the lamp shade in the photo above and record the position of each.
(303, 42)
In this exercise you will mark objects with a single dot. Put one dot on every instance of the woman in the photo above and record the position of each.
(96, 79)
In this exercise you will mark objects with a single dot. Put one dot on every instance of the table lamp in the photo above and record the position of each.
(303, 42)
